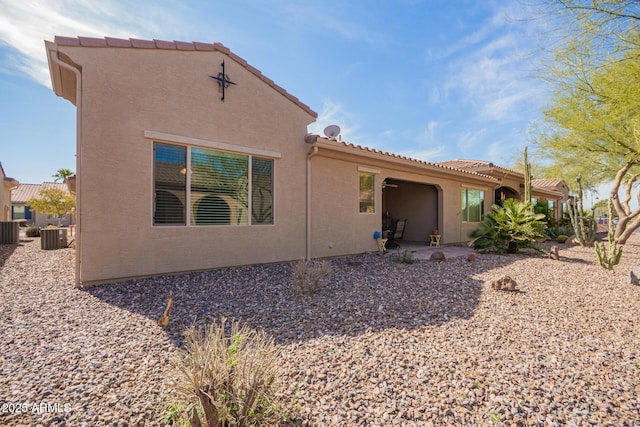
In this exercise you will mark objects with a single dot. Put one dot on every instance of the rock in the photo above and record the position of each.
(505, 283)
(634, 276)
(553, 253)
(472, 257)
(570, 241)
(437, 256)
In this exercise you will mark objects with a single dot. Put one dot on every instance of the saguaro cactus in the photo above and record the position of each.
(611, 256)
(527, 178)
(584, 226)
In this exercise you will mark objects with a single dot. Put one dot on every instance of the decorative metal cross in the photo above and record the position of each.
(223, 80)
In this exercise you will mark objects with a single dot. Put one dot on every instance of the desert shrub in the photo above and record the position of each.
(406, 257)
(229, 380)
(33, 231)
(562, 238)
(509, 228)
(307, 276)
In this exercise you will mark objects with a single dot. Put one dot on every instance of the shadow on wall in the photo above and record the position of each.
(364, 293)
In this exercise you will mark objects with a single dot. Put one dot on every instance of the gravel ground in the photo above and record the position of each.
(382, 343)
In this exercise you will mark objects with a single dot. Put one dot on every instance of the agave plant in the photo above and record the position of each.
(509, 228)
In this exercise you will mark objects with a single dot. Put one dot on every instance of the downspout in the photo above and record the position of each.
(312, 152)
(54, 58)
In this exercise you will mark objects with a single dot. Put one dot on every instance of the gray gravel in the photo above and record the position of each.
(383, 343)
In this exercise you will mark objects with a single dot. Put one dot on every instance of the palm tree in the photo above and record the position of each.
(62, 174)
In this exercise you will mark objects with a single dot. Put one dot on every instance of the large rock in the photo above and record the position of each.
(437, 256)
(634, 276)
(505, 283)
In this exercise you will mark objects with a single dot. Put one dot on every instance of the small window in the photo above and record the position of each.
(367, 193)
(18, 212)
(170, 182)
(472, 205)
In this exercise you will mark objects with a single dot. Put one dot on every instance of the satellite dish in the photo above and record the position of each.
(332, 131)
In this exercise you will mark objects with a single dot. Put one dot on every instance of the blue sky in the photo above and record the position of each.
(433, 79)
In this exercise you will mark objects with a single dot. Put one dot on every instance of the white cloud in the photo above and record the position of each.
(489, 70)
(432, 154)
(26, 24)
(333, 113)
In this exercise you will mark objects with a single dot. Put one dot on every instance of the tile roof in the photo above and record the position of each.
(439, 165)
(480, 165)
(24, 192)
(178, 45)
(547, 183)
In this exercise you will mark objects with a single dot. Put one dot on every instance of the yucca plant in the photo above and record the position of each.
(509, 228)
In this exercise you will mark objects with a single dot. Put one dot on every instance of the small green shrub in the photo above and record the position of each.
(562, 238)
(33, 231)
(406, 257)
(229, 379)
(307, 275)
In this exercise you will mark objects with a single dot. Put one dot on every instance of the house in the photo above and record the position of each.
(8, 184)
(20, 210)
(188, 158)
(554, 191)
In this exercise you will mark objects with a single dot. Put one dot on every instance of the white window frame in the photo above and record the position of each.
(188, 143)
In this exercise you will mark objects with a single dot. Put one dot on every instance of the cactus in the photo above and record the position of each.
(527, 178)
(609, 258)
(584, 226)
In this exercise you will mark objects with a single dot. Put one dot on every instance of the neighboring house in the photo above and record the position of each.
(188, 158)
(8, 184)
(554, 191)
(20, 210)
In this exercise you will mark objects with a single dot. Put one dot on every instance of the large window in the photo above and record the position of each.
(221, 187)
(367, 193)
(472, 205)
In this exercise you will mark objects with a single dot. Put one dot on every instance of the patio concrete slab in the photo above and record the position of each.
(448, 251)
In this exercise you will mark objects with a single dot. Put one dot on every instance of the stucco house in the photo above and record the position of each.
(20, 210)
(8, 184)
(188, 158)
(554, 191)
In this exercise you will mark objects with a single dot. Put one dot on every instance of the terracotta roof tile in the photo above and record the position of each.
(203, 46)
(417, 161)
(114, 42)
(180, 45)
(547, 183)
(143, 44)
(92, 42)
(165, 44)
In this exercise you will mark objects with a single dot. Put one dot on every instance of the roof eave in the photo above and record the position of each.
(406, 161)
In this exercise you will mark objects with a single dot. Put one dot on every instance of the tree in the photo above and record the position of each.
(62, 174)
(52, 201)
(592, 125)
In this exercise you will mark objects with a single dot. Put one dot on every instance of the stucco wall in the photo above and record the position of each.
(129, 91)
(337, 226)
(5, 200)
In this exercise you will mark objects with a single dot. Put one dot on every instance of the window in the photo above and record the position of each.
(170, 179)
(367, 193)
(472, 205)
(221, 187)
(18, 212)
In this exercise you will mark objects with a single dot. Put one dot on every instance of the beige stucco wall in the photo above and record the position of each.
(126, 92)
(5, 198)
(338, 228)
